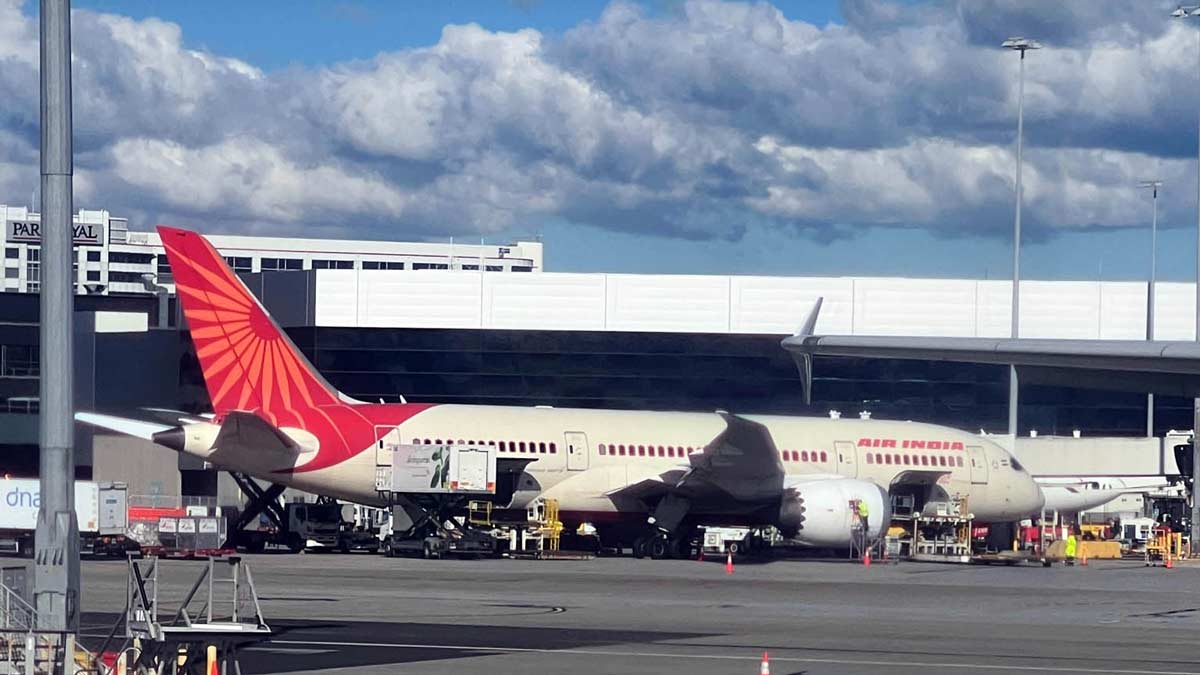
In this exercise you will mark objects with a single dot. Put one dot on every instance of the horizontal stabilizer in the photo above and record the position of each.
(249, 431)
(122, 425)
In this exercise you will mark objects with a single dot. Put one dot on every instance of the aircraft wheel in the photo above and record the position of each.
(658, 548)
(639, 548)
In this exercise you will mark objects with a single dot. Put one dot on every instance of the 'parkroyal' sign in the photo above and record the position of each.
(30, 232)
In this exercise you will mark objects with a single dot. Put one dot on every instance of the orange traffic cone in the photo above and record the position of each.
(1083, 559)
(701, 556)
(1169, 565)
(729, 562)
(765, 668)
(867, 558)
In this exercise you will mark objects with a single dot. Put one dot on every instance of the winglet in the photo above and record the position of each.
(804, 360)
(810, 321)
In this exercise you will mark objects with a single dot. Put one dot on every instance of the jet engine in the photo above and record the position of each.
(817, 512)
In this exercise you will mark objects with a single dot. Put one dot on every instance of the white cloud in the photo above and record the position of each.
(700, 120)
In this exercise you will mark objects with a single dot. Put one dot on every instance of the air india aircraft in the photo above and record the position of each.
(639, 477)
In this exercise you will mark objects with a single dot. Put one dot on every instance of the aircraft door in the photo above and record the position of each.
(389, 438)
(577, 450)
(847, 458)
(978, 461)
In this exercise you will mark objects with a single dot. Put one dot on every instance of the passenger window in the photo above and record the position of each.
(804, 455)
(662, 452)
(641, 451)
(887, 459)
(521, 446)
(959, 460)
(601, 448)
(870, 458)
(924, 460)
(824, 456)
(541, 447)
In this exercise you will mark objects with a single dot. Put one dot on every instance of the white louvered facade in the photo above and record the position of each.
(747, 304)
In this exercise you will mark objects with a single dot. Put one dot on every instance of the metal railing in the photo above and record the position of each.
(170, 501)
(15, 612)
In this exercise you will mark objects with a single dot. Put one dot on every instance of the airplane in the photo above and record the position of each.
(1074, 495)
(638, 477)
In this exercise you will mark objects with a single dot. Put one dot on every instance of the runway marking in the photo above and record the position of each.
(291, 650)
(729, 657)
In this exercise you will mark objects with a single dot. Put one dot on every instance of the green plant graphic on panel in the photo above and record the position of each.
(441, 468)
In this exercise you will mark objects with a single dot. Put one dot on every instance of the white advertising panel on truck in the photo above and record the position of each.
(21, 497)
(443, 469)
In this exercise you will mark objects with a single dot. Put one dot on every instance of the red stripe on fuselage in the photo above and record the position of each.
(345, 431)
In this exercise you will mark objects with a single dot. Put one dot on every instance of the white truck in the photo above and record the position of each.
(101, 530)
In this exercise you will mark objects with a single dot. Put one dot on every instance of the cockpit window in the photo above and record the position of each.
(1017, 465)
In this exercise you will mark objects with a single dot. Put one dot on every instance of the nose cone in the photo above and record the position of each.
(1034, 500)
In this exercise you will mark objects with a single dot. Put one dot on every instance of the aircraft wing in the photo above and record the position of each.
(741, 463)
(1157, 366)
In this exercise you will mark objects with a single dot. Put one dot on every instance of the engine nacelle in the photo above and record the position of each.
(817, 512)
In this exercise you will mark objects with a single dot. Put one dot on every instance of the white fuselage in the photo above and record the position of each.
(580, 457)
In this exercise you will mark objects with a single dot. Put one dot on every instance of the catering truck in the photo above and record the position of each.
(100, 509)
(428, 486)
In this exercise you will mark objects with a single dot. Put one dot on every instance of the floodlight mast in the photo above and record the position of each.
(1192, 12)
(1021, 45)
(1151, 298)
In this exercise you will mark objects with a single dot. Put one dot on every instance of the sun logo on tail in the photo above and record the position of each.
(247, 361)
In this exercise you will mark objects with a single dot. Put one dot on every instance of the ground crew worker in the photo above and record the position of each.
(863, 512)
(1072, 543)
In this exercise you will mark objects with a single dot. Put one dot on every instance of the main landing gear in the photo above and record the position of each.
(662, 546)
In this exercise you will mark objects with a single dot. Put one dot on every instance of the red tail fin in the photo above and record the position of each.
(248, 362)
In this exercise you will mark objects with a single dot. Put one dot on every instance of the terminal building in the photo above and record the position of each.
(109, 259)
(440, 325)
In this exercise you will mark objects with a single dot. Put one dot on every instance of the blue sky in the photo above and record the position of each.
(684, 136)
(275, 34)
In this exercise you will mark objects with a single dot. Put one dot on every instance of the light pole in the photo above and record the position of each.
(1021, 45)
(56, 541)
(1191, 12)
(1151, 299)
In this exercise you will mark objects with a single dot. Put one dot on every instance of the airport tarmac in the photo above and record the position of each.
(373, 615)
